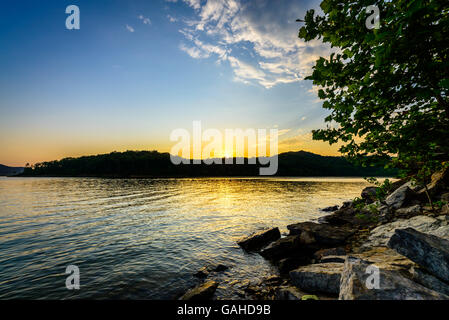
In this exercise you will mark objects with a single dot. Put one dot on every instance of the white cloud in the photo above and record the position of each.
(129, 28)
(266, 30)
(194, 52)
(145, 20)
(171, 18)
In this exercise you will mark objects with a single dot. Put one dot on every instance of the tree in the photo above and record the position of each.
(387, 88)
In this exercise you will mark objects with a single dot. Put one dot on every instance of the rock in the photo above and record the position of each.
(220, 268)
(439, 183)
(329, 252)
(386, 258)
(385, 213)
(347, 217)
(428, 251)
(321, 277)
(400, 197)
(287, 264)
(358, 282)
(281, 248)
(445, 209)
(346, 204)
(409, 211)
(445, 197)
(369, 194)
(420, 276)
(202, 273)
(333, 259)
(382, 234)
(307, 238)
(330, 209)
(288, 293)
(204, 291)
(272, 280)
(259, 239)
(324, 234)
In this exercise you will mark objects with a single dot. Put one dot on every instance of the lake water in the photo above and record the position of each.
(143, 239)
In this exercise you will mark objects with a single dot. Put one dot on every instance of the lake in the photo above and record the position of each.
(144, 238)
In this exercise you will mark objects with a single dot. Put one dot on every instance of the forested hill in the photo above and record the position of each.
(155, 164)
(9, 171)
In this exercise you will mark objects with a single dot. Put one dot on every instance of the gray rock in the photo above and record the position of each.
(400, 197)
(287, 264)
(428, 251)
(420, 276)
(357, 284)
(259, 239)
(386, 258)
(288, 293)
(369, 194)
(281, 248)
(204, 291)
(413, 210)
(330, 209)
(321, 277)
(382, 234)
(324, 234)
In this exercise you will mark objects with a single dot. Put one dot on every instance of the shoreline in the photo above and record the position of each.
(328, 259)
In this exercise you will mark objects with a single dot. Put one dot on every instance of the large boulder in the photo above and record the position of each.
(361, 280)
(287, 264)
(348, 217)
(408, 211)
(324, 234)
(386, 258)
(420, 276)
(400, 197)
(320, 277)
(282, 248)
(380, 236)
(369, 194)
(204, 291)
(259, 239)
(427, 250)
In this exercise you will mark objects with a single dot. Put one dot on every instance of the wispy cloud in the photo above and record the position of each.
(259, 39)
(145, 20)
(171, 18)
(129, 28)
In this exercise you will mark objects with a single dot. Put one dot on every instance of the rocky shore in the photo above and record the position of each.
(382, 246)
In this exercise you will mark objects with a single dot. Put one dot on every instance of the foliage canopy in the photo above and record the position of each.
(387, 88)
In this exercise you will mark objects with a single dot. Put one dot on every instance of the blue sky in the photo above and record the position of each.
(136, 70)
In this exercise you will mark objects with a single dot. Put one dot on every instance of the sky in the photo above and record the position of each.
(137, 70)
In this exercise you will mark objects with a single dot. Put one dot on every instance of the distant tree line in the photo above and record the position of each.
(156, 164)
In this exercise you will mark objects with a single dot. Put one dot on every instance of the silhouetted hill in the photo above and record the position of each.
(155, 164)
(10, 171)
